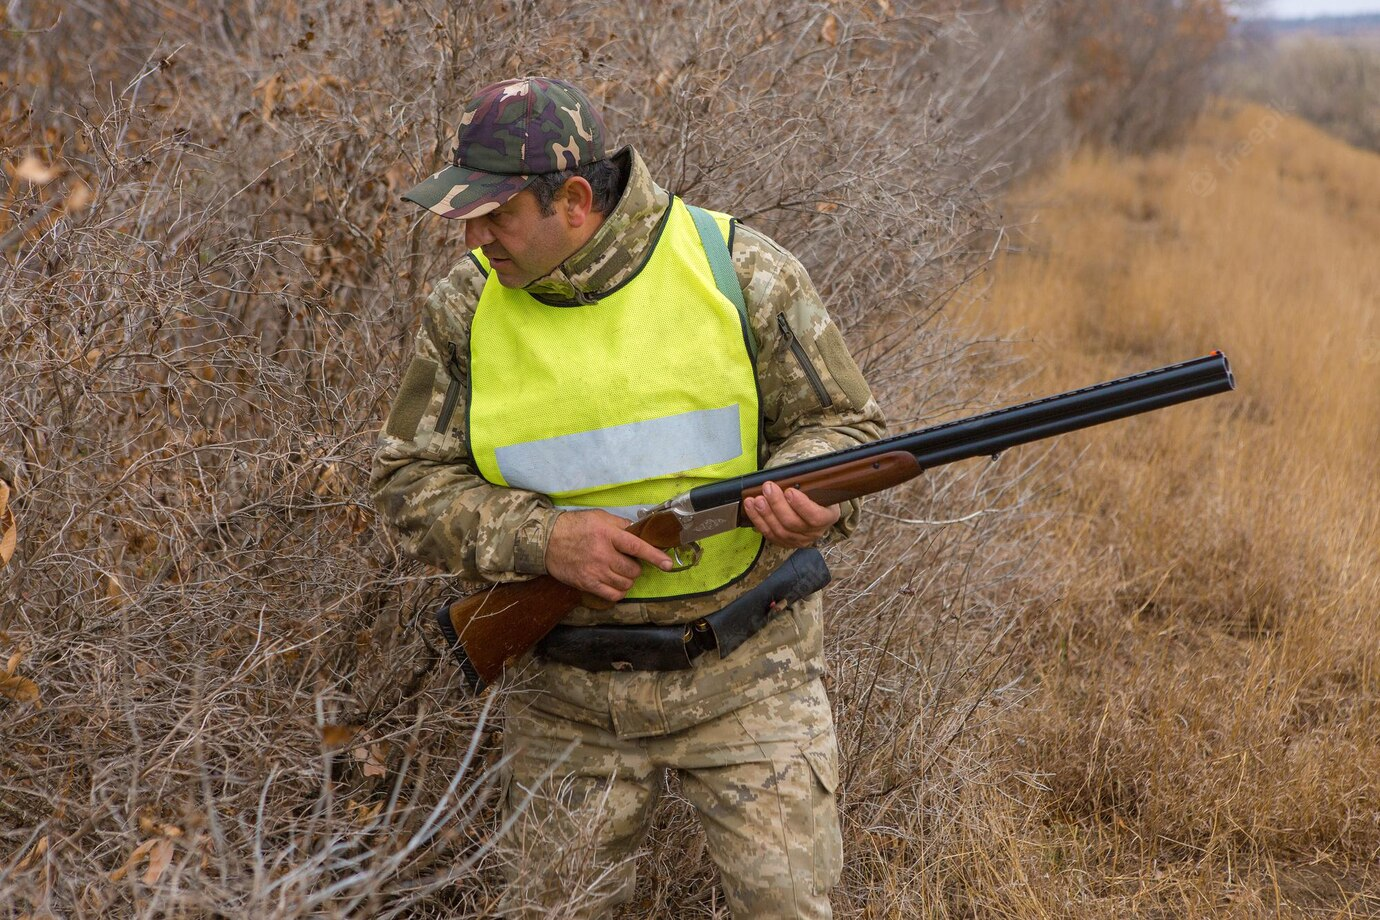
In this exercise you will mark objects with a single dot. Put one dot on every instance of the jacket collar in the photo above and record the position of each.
(619, 248)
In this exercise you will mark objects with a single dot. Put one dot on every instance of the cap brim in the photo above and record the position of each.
(458, 193)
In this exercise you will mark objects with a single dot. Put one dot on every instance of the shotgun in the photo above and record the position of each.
(490, 628)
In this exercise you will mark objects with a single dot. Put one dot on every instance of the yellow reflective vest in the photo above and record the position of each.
(622, 403)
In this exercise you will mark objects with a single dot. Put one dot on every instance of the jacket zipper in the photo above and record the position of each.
(805, 364)
(452, 392)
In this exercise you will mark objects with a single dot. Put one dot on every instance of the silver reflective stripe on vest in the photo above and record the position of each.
(627, 512)
(623, 453)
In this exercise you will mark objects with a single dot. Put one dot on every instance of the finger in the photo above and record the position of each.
(760, 514)
(619, 584)
(625, 567)
(608, 593)
(638, 548)
(782, 510)
(816, 516)
(618, 588)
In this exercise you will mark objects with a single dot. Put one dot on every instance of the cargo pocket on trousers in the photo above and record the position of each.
(821, 753)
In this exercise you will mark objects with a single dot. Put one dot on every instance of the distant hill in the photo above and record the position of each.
(1364, 24)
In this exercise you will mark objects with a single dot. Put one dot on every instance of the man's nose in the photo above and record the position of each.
(477, 233)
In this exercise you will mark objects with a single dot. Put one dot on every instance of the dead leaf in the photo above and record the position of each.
(359, 519)
(334, 736)
(365, 813)
(826, 207)
(328, 481)
(88, 361)
(372, 758)
(32, 169)
(271, 88)
(36, 853)
(149, 825)
(134, 857)
(830, 31)
(78, 198)
(159, 860)
(9, 531)
(114, 591)
(19, 689)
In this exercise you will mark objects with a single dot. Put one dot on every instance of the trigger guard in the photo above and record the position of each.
(685, 557)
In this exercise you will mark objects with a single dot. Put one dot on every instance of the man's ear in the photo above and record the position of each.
(577, 201)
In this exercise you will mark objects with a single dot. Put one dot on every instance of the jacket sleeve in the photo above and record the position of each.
(814, 399)
(424, 482)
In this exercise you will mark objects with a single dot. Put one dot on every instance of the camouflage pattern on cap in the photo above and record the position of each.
(510, 132)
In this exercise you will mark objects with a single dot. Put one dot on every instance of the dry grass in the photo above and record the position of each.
(1204, 726)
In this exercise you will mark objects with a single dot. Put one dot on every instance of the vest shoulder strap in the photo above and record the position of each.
(721, 263)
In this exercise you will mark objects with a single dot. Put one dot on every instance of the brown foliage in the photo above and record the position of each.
(207, 285)
(1138, 72)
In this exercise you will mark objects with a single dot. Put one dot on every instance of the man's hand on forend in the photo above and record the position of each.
(789, 518)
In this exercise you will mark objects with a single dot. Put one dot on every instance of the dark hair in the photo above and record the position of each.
(605, 177)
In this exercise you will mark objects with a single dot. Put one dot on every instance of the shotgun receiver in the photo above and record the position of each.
(487, 629)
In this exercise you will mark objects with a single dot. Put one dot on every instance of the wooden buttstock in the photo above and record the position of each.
(852, 480)
(501, 623)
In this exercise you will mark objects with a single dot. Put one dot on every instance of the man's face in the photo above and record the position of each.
(520, 242)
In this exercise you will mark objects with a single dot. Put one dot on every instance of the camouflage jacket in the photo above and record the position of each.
(813, 399)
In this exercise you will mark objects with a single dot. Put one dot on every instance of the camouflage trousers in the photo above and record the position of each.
(761, 779)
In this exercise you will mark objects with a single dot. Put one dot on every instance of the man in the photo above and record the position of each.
(584, 361)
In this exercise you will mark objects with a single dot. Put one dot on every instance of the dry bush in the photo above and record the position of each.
(1137, 72)
(1058, 74)
(207, 287)
(1007, 102)
(1332, 82)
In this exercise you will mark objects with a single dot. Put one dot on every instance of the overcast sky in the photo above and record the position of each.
(1293, 8)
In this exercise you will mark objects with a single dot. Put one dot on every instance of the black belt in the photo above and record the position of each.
(675, 648)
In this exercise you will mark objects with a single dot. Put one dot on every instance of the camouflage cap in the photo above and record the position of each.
(510, 132)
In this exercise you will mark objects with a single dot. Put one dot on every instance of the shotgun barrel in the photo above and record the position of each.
(993, 432)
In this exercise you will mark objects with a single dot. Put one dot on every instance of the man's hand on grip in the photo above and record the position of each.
(593, 551)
